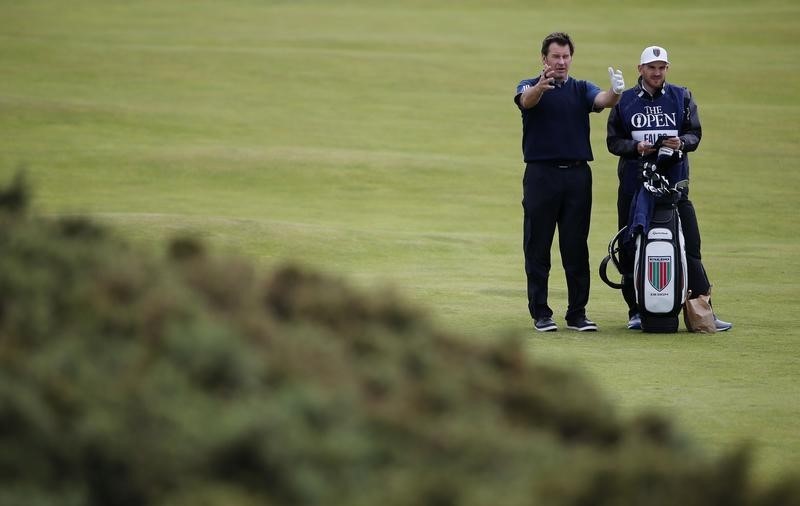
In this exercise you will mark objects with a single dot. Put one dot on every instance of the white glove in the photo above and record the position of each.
(617, 82)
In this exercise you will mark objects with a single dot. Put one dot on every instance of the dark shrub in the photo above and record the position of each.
(194, 380)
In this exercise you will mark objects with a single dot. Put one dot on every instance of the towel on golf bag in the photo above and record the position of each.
(640, 214)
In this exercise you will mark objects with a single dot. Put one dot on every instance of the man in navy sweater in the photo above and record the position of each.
(651, 110)
(557, 186)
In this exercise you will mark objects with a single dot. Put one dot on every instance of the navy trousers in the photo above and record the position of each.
(557, 195)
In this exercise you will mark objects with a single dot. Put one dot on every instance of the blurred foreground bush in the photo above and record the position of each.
(194, 380)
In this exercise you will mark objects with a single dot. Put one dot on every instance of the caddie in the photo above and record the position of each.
(653, 113)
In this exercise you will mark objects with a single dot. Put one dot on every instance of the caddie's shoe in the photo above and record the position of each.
(545, 324)
(582, 324)
(635, 323)
(721, 325)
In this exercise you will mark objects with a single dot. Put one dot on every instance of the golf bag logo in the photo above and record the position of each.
(659, 271)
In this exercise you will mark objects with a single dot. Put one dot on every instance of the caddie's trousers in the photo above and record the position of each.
(557, 193)
(696, 273)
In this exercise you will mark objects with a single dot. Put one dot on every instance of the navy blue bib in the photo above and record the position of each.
(644, 120)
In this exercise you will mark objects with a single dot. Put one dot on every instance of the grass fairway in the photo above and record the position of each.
(379, 140)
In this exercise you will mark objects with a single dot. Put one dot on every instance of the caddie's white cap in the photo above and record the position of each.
(653, 53)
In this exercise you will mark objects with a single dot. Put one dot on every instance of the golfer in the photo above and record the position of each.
(655, 110)
(557, 185)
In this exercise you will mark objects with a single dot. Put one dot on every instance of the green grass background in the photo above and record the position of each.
(378, 140)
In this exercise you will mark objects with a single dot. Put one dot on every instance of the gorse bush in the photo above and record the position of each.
(127, 379)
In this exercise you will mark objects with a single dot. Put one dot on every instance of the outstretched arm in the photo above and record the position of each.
(610, 97)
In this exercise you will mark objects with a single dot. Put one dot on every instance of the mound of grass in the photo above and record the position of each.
(129, 379)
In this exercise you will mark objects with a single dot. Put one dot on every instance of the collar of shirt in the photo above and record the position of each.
(641, 91)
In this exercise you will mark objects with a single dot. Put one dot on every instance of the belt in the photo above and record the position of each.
(562, 164)
(568, 164)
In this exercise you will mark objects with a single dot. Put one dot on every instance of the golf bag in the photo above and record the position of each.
(660, 276)
(659, 272)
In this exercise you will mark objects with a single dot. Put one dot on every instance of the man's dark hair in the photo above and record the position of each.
(560, 38)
